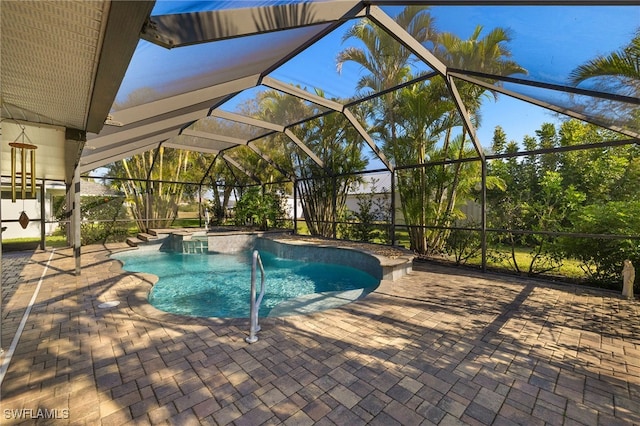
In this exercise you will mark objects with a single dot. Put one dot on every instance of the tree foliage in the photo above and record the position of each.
(587, 191)
(618, 72)
(153, 183)
(333, 142)
(621, 67)
(372, 215)
(602, 258)
(104, 218)
(260, 208)
(421, 123)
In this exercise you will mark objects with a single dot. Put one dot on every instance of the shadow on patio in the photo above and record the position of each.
(440, 346)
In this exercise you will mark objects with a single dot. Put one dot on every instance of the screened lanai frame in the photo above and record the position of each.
(374, 10)
(261, 80)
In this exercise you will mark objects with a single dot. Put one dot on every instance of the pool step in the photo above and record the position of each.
(186, 240)
(146, 237)
(161, 232)
(195, 246)
(134, 241)
(143, 238)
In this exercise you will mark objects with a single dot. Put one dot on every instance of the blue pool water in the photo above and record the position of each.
(218, 285)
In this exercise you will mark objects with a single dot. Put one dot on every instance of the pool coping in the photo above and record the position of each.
(392, 267)
(137, 299)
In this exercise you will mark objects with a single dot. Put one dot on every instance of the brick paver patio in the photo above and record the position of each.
(440, 346)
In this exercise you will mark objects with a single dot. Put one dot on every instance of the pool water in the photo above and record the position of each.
(218, 285)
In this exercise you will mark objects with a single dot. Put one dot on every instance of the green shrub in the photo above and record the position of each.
(103, 219)
(463, 245)
(259, 208)
(602, 258)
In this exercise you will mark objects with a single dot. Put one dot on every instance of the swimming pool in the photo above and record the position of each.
(218, 285)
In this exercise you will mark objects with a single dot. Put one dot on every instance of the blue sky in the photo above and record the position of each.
(548, 41)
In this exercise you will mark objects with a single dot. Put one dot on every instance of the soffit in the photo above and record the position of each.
(49, 55)
(62, 64)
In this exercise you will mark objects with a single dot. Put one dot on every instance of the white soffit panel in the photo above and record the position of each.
(50, 157)
(101, 157)
(49, 52)
(194, 143)
(175, 103)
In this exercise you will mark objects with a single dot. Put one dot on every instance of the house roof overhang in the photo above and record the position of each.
(62, 65)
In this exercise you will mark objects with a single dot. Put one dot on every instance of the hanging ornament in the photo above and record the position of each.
(27, 170)
(23, 220)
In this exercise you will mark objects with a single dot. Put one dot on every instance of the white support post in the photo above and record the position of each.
(76, 219)
(1, 350)
(43, 216)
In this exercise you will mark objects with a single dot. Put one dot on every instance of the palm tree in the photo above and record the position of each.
(156, 206)
(388, 64)
(618, 72)
(422, 115)
(489, 55)
(411, 121)
(332, 140)
(623, 65)
(386, 60)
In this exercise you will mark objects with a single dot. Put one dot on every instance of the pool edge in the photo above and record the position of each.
(390, 269)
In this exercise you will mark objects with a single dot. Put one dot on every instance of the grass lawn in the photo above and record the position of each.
(569, 268)
(52, 241)
(187, 223)
(302, 228)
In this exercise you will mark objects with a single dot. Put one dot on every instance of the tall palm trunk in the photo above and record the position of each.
(445, 219)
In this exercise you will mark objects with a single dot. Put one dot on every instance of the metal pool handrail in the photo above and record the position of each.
(255, 304)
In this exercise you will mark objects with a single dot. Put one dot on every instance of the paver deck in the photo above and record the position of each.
(440, 346)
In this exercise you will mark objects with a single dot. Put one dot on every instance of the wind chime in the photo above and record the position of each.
(27, 171)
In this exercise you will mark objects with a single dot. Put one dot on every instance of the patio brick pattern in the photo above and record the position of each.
(440, 346)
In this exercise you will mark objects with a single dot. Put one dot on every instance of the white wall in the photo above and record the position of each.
(289, 208)
(11, 211)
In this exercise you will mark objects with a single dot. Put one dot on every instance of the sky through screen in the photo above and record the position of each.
(548, 41)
